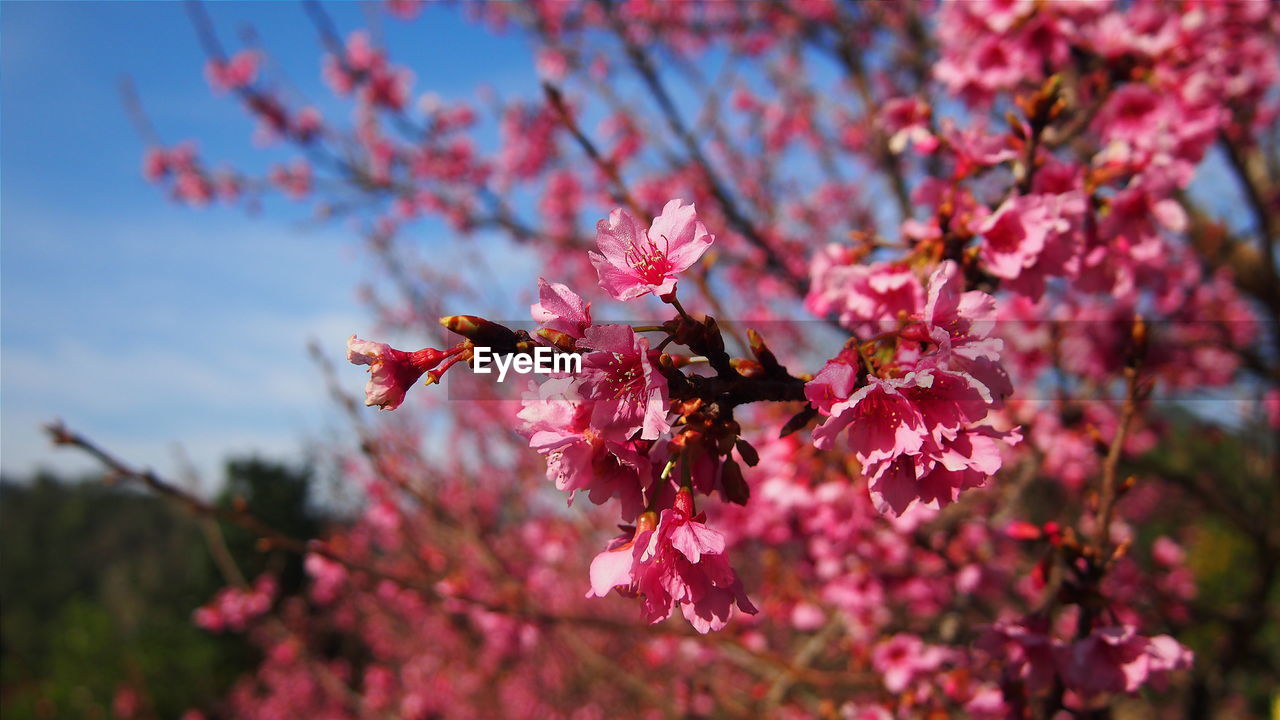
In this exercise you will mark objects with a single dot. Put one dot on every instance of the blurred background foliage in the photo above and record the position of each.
(98, 584)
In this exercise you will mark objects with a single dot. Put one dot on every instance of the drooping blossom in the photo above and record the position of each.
(674, 560)
(600, 460)
(633, 262)
(391, 372)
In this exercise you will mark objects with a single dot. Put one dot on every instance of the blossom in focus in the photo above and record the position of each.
(560, 309)
(620, 376)
(580, 455)
(632, 262)
(678, 560)
(391, 372)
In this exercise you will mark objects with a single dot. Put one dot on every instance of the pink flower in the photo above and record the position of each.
(560, 309)
(959, 325)
(1271, 406)
(238, 72)
(1117, 659)
(882, 422)
(1167, 552)
(674, 560)
(1031, 237)
(391, 372)
(233, 608)
(629, 392)
(1026, 650)
(1132, 113)
(904, 657)
(632, 263)
(868, 299)
(580, 455)
(907, 119)
(917, 436)
(327, 578)
(834, 382)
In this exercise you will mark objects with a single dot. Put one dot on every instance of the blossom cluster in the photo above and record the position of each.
(234, 608)
(914, 423)
(1028, 196)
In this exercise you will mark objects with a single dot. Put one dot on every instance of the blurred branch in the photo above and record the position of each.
(643, 66)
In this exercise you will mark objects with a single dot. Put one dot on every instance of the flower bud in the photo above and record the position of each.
(747, 368)
(647, 521)
(1022, 530)
(561, 340)
(736, 489)
(684, 502)
(481, 332)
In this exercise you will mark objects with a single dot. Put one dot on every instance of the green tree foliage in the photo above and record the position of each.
(98, 583)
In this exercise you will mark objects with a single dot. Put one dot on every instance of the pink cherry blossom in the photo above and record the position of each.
(600, 460)
(1032, 237)
(1118, 660)
(680, 561)
(633, 262)
(619, 375)
(391, 372)
(867, 299)
(901, 658)
(233, 74)
(560, 309)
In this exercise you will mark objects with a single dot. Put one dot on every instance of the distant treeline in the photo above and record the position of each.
(98, 584)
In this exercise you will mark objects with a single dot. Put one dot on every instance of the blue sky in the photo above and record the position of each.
(148, 325)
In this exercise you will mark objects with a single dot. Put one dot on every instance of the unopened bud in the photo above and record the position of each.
(1139, 338)
(678, 360)
(481, 331)
(647, 521)
(798, 421)
(767, 359)
(747, 368)
(1121, 550)
(561, 340)
(1015, 125)
(747, 453)
(1022, 530)
(684, 502)
(736, 489)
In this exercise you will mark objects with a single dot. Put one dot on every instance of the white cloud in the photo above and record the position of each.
(143, 341)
